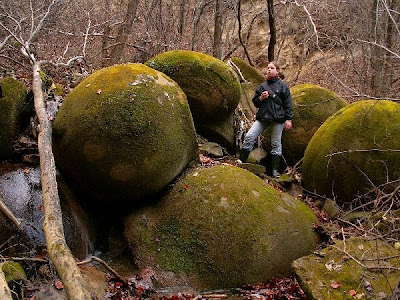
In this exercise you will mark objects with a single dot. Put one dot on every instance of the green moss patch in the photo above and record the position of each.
(221, 227)
(312, 105)
(212, 88)
(13, 271)
(358, 267)
(12, 100)
(249, 73)
(124, 133)
(354, 150)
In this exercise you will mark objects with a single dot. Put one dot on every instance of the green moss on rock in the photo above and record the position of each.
(13, 271)
(312, 105)
(12, 103)
(354, 149)
(212, 88)
(316, 273)
(124, 133)
(221, 227)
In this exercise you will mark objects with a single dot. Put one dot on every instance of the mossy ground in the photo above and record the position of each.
(317, 273)
(312, 105)
(124, 133)
(212, 88)
(354, 150)
(11, 106)
(223, 227)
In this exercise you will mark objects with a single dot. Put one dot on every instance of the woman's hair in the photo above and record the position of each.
(280, 74)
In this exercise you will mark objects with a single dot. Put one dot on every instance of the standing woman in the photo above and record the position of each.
(274, 103)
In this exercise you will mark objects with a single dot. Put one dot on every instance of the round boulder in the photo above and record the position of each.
(312, 105)
(354, 150)
(212, 88)
(124, 133)
(221, 227)
(12, 100)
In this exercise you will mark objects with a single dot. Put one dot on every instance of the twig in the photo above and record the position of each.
(24, 259)
(8, 213)
(86, 261)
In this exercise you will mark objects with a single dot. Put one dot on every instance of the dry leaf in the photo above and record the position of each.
(58, 285)
(99, 91)
(335, 285)
(361, 247)
(87, 85)
(352, 293)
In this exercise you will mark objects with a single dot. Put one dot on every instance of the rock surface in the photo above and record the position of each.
(354, 150)
(124, 133)
(221, 227)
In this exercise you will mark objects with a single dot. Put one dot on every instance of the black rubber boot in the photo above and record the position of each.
(276, 159)
(243, 155)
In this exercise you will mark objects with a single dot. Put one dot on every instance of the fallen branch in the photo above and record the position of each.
(91, 258)
(8, 213)
(5, 293)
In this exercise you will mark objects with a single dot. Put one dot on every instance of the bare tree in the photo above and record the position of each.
(24, 31)
(217, 46)
(272, 30)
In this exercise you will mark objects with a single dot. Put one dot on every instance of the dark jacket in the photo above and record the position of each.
(278, 106)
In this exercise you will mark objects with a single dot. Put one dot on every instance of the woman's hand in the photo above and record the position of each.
(264, 95)
(288, 124)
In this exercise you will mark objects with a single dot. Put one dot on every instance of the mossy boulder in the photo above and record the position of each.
(312, 105)
(354, 150)
(124, 133)
(248, 72)
(334, 272)
(221, 227)
(211, 86)
(12, 101)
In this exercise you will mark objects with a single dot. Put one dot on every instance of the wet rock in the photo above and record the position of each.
(221, 227)
(21, 191)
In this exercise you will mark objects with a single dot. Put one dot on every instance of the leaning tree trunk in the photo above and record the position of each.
(60, 254)
(272, 31)
(5, 293)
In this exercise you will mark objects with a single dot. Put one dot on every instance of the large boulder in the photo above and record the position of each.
(221, 227)
(124, 133)
(212, 88)
(312, 105)
(12, 100)
(354, 150)
(354, 269)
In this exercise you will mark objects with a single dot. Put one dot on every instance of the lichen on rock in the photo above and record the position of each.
(354, 150)
(221, 227)
(124, 133)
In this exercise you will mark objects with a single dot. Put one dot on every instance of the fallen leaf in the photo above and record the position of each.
(87, 85)
(58, 285)
(41, 208)
(335, 285)
(99, 91)
(352, 293)
(361, 247)
(397, 245)
(26, 171)
(186, 187)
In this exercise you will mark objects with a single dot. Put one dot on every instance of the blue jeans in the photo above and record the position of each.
(258, 128)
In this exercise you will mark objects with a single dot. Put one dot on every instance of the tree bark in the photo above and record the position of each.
(272, 30)
(240, 32)
(182, 19)
(124, 31)
(59, 253)
(5, 293)
(217, 46)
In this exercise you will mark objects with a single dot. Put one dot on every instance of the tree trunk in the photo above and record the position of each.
(124, 31)
(239, 5)
(182, 13)
(105, 59)
(59, 253)
(217, 46)
(272, 30)
(5, 293)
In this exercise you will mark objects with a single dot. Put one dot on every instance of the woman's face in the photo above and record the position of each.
(272, 71)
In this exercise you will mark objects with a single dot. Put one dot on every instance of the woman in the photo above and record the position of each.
(274, 103)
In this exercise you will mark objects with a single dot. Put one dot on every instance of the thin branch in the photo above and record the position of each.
(8, 213)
